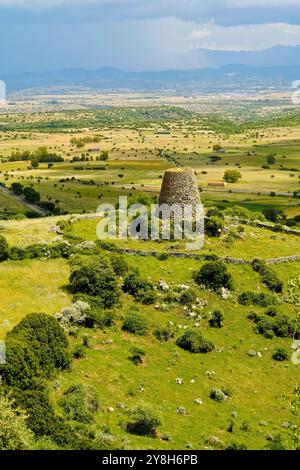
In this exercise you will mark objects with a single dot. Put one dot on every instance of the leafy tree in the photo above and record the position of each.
(271, 160)
(4, 249)
(104, 155)
(232, 176)
(17, 188)
(31, 195)
(97, 279)
(274, 215)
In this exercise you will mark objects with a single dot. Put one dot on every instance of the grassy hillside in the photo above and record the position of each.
(259, 387)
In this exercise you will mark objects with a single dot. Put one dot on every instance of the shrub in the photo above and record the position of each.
(135, 323)
(96, 318)
(119, 264)
(214, 275)
(216, 320)
(36, 347)
(14, 433)
(280, 354)
(79, 403)
(143, 421)
(43, 421)
(269, 277)
(280, 325)
(4, 250)
(142, 290)
(164, 333)
(193, 341)
(96, 280)
(188, 297)
(79, 351)
(265, 327)
(147, 297)
(214, 226)
(253, 298)
(137, 356)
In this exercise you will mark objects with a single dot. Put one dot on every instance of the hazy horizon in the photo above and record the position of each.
(133, 35)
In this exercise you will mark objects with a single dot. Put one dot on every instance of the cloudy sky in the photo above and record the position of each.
(41, 35)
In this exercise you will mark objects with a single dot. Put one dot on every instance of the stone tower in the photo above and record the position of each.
(179, 187)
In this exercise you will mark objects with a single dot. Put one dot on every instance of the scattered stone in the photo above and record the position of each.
(225, 293)
(210, 374)
(234, 414)
(108, 341)
(163, 286)
(179, 381)
(181, 410)
(121, 406)
(198, 401)
(110, 409)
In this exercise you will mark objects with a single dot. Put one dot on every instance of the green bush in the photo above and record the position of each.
(232, 176)
(214, 275)
(216, 320)
(260, 299)
(280, 325)
(97, 318)
(143, 421)
(96, 280)
(142, 290)
(268, 276)
(280, 354)
(79, 351)
(135, 323)
(188, 297)
(80, 403)
(214, 226)
(36, 347)
(164, 333)
(119, 264)
(137, 355)
(193, 341)
(43, 421)
(4, 249)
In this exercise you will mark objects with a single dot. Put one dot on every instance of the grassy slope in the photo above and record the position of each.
(257, 384)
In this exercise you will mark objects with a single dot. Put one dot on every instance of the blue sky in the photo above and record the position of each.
(40, 35)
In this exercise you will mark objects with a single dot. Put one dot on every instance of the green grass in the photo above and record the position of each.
(31, 286)
(257, 243)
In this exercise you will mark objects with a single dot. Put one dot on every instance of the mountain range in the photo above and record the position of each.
(229, 71)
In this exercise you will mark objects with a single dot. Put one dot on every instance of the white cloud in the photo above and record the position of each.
(200, 33)
(245, 37)
(262, 3)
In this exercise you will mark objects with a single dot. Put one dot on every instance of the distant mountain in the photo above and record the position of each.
(277, 55)
(233, 77)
